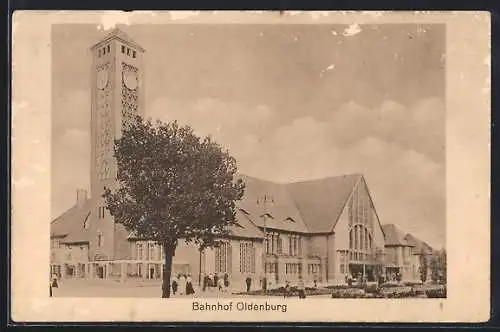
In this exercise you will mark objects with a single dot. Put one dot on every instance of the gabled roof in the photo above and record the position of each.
(70, 224)
(394, 236)
(119, 34)
(281, 211)
(321, 202)
(418, 244)
(244, 228)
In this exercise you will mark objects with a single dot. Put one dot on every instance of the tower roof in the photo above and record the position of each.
(116, 33)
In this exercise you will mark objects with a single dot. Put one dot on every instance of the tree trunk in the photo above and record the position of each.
(168, 250)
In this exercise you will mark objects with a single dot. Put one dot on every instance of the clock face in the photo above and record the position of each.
(130, 80)
(102, 78)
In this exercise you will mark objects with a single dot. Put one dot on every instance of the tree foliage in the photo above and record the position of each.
(171, 185)
(438, 266)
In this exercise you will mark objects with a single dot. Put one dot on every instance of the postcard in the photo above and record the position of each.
(250, 166)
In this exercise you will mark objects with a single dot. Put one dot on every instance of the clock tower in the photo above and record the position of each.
(117, 90)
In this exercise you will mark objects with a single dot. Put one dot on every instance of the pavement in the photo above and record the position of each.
(140, 289)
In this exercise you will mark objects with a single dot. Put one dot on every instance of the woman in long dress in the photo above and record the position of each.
(189, 285)
(182, 285)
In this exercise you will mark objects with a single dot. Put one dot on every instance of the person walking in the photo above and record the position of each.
(287, 289)
(210, 283)
(205, 282)
(175, 284)
(182, 285)
(216, 280)
(220, 282)
(226, 281)
(189, 285)
(248, 281)
(301, 288)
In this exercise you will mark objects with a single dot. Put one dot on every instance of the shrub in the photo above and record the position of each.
(436, 293)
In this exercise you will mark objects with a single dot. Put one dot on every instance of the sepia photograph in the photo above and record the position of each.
(248, 166)
(324, 173)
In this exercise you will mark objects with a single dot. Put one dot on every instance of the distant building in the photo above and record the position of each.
(321, 230)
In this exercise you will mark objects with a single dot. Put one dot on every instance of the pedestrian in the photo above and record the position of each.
(54, 282)
(210, 283)
(189, 285)
(349, 280)
(315, 283)
(248, 281)
(226, 280)
(175, 284)
(205, 282)
(220, 282)
(182, 284)
(287, 289)
(216, 280)
(301, 288)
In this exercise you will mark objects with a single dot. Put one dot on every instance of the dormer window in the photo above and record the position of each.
(289, 219)
(267, 215)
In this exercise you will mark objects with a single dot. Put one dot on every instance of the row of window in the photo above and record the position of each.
(313, 268)
(223, 258)
(104, 50)
(274, 244)
(247, 257)
(148, 251)
(293, 268)
(128, 51)
(360, 238)
(360, 207)
(125, 50)
(271, 268)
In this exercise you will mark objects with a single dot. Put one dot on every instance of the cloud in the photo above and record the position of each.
(110, 19)
(70, 167)
(392, 145)
(352, 30)
(399, 149)
(327, 69)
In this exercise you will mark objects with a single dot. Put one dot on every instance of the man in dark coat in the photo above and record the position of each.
(248, 281)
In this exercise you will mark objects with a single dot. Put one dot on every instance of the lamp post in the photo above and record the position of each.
(264, 201)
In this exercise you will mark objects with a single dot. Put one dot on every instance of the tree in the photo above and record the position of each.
(438, 266)
(423, 265)
(442, 265)
(172, 185)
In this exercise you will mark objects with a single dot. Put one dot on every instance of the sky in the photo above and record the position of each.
(290, 102)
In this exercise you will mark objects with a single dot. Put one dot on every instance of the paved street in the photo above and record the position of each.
(108, 288)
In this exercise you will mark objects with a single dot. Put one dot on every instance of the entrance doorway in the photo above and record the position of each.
(101, 271)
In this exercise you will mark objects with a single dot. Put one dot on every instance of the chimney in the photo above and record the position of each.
(81, 196)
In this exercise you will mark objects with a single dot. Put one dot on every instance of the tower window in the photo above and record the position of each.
(100, 240)
(133, 54)
(128, 51)
(104, 50)
(123, 49)
(109, 49)
(100, 53)
(100, 212)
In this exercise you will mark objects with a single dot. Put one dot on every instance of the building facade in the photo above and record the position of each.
(321, 230)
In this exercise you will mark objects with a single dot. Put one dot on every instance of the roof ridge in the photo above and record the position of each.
(119, 34)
